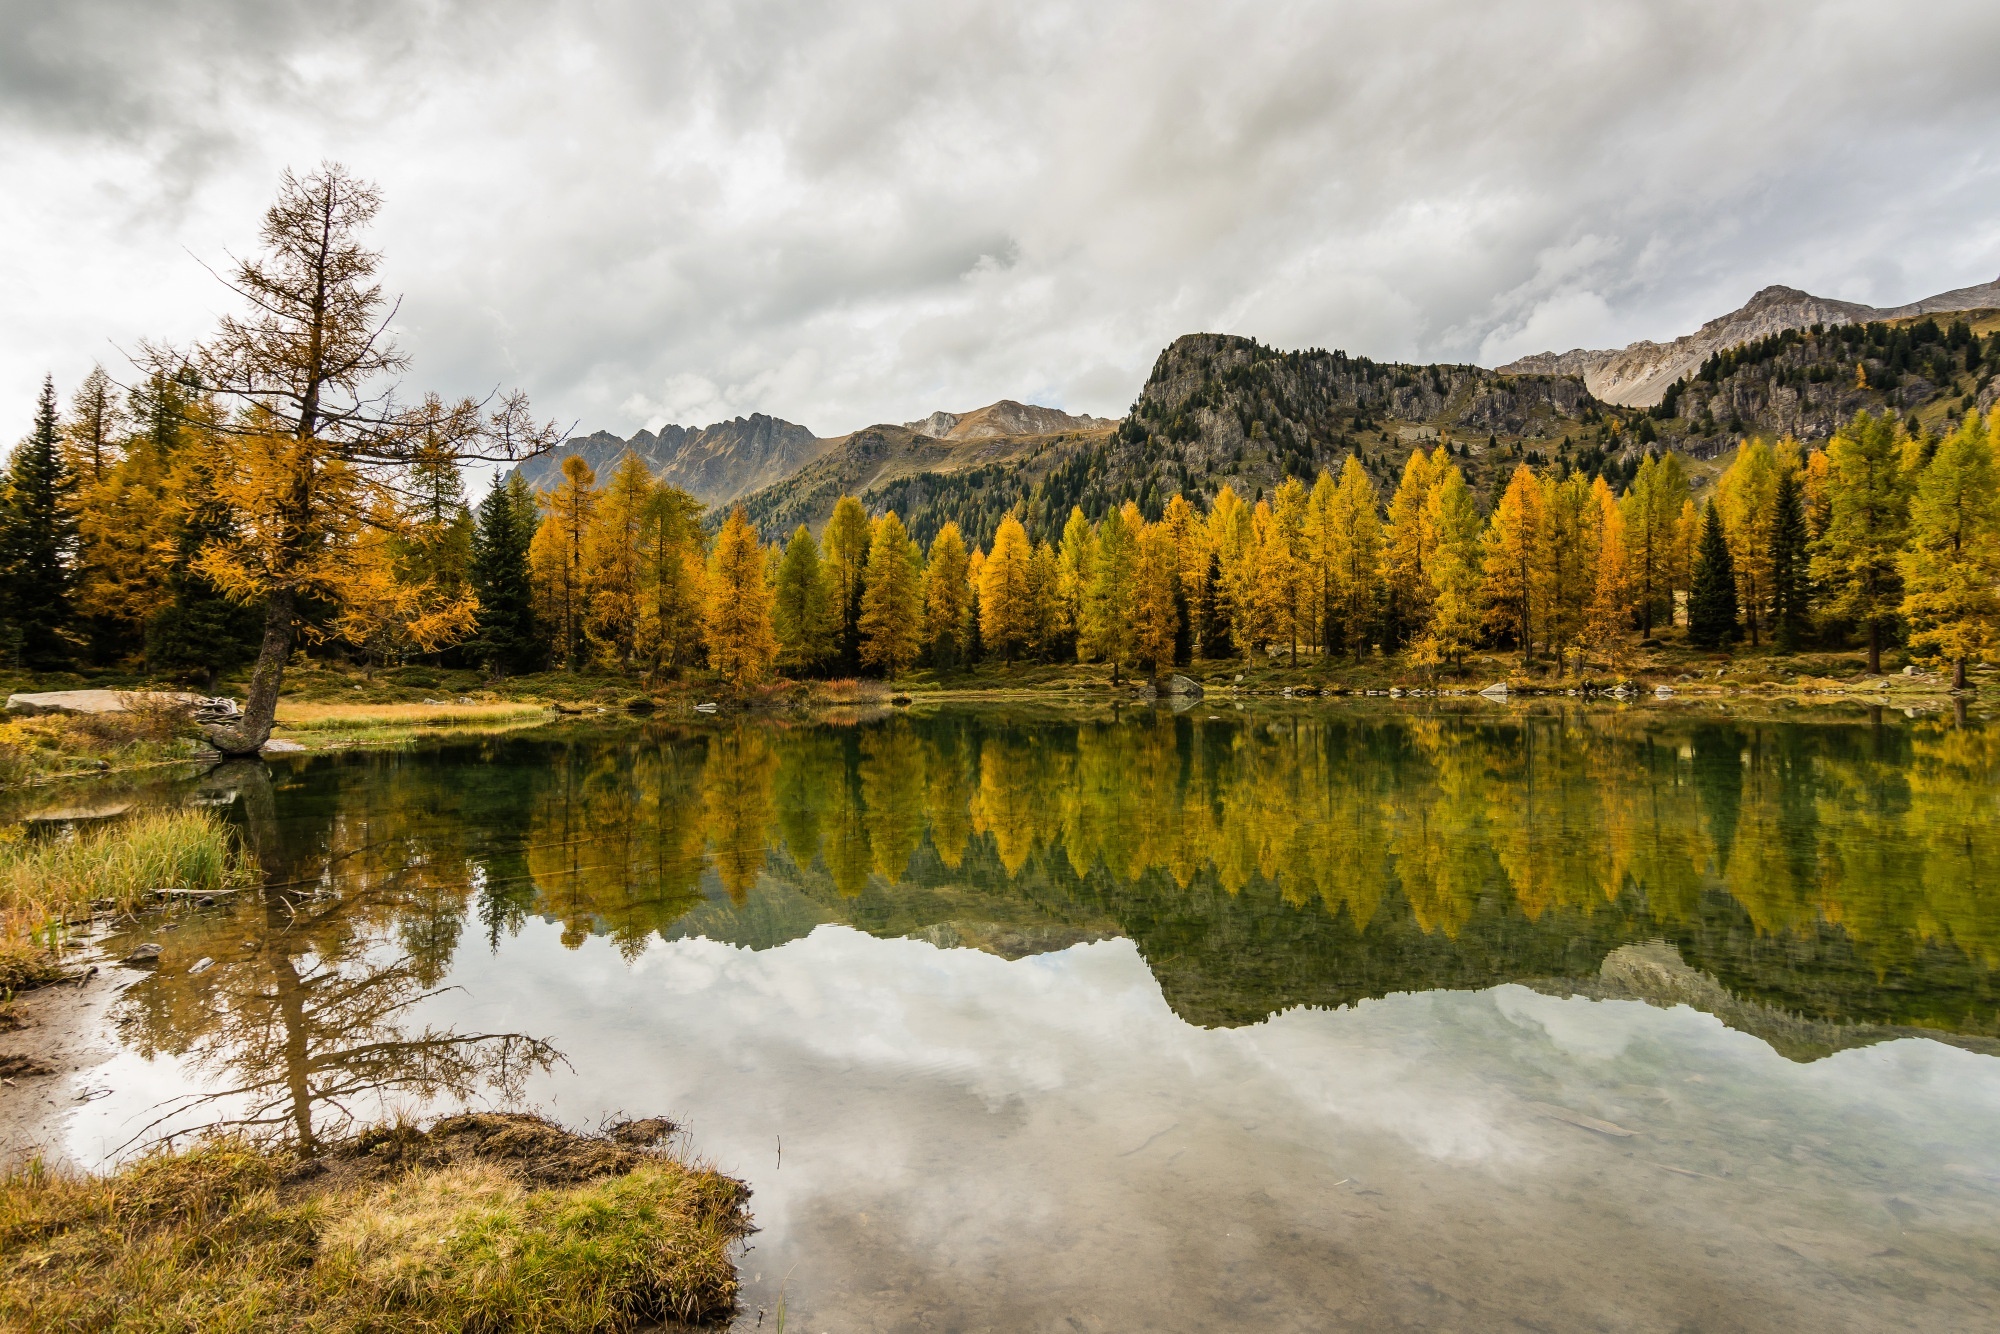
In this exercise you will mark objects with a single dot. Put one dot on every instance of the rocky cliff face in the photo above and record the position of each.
(1003, 419)
(714, 464)
(1638, 376)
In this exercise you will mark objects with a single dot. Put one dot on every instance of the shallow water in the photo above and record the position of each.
(1357, 1018)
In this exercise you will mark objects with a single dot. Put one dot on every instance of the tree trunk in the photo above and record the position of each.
(1958, 673)
(1874, 648)
(248, 735)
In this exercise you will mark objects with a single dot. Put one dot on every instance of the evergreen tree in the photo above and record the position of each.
(507, 638)
(1712, 600)
(741, 644)
(38, 543)
(1791, 582)
(1951, 569)
(948, 599)
(845, 551)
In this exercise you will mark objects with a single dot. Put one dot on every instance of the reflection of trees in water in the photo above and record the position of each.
(308, 1014)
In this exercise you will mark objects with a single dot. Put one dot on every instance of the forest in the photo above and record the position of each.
(259, 495)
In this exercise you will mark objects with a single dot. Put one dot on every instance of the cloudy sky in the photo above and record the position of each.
(840, 214)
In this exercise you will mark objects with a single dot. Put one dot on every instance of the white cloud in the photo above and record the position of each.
(841, 216)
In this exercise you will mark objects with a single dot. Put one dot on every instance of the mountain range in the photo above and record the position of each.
(1637, 376)
(1220, 409)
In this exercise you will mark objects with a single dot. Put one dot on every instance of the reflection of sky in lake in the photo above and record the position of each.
(1018, 1144)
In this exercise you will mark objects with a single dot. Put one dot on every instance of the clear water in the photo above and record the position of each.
(1338, 1018)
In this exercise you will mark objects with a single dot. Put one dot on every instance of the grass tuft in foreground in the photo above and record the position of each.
(45, 882)
(482, 1222)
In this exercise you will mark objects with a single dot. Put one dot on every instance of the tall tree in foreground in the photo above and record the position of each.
(1156, 599)
(1006, 603)
(1107, 611)
(505, 637)
(844, 547)
(1513, 536)
(1456, 572)
(38, 542)
(892, 621)
(313, 447)
(741, 644)
(562, 576)
(1747, 495)
(1867, 513)
(1712, 600)
(1652, 509)
(1951, 569)
(1790, 563)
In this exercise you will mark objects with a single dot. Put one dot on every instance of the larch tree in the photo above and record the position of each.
(1284, 576)
(673, 581)
(38, 543)
(1045, 618)
(1407, 554)
(313, 442)
(844, 547)
(1358, 555)
(892, 608)
(1712, 600)
(1609, 616)
(1747, 496)
(556, 558)
(1513, 538)
(1951, 568)
(612, 559)
(1107, 611)
(1867, 515)
(737, 625)
(1456, 573)
(1074, 562)
(803, 615)
(1155, 599)
(90, 436)
(1006, 602)
(1652, 508)
(1567, 556)
(947, 598)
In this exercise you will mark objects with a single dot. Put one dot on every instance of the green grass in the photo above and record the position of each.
(232, 1236)
(46, 882)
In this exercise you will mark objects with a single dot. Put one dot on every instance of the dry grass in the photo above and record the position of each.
(58, 745)
(359, 717)
(48, 881)
(234, 1237)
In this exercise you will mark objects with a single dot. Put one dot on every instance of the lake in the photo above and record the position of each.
(1437, 1015)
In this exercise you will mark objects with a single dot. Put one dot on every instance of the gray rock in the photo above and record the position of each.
(31, 703)
(201, 965)
(144, 956)
(1184, 685)
(704, 708)
(278, 746)
(1498, 690)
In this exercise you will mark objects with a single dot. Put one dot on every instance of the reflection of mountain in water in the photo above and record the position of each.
(1825, 874)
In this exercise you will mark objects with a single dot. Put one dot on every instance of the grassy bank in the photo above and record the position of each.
(482, 1222)
(46, 882)
(52, 746)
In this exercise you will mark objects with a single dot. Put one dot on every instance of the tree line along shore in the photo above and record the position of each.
(260, 494)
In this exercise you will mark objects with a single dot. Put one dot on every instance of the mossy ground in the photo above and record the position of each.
(482, 1222)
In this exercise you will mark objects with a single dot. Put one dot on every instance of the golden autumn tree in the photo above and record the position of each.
(1006, 603)
(1951, 568)
(947, 599)
(1857, 556)
(1156, 620)
(673, 578)
(1456, 571)
(314, 443)
(1513, 539)
(1107, 603)
(804, 612)
(1610, 611)
(1652, 511)
(1406, 556)
(1357, 555)
(556, 562)
(1747, 495)
(1074, 565)
(1567, 564)
(844, 550)
(892, 609)
(741, 643)
(613, 555)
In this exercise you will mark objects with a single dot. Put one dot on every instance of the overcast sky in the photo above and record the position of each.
(841, 214)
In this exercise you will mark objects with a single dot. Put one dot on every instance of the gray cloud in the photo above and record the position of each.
(841, 215)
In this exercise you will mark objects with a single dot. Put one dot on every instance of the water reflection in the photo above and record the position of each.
(1831, 871)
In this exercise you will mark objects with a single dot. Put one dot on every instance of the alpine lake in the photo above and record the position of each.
(1431, 1014)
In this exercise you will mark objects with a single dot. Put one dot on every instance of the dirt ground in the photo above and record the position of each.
(51, 1038)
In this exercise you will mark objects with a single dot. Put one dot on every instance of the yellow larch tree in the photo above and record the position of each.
(1358, 569)
(1951, 568)
(1567, 561)
(556, 561)
(673, 577)
(1006, 602)
(1610, 613)
(892, 608)
(612, 556)
(1747, 496)
(1456, 571)
(1406, 556)
(1513, 538)
(741, 642)
(1156, 620)
(947, 599)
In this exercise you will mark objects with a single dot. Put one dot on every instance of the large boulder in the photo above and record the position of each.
(95, 701)
(1182, 685)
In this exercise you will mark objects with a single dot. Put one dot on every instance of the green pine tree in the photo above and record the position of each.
(1712, 601)
(804, 612)
(1791, 572)
(38, 544)
(506, 639)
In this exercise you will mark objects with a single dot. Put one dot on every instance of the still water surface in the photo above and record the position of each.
(1350, 1018)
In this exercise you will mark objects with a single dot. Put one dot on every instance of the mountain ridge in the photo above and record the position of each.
(1639, 374)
